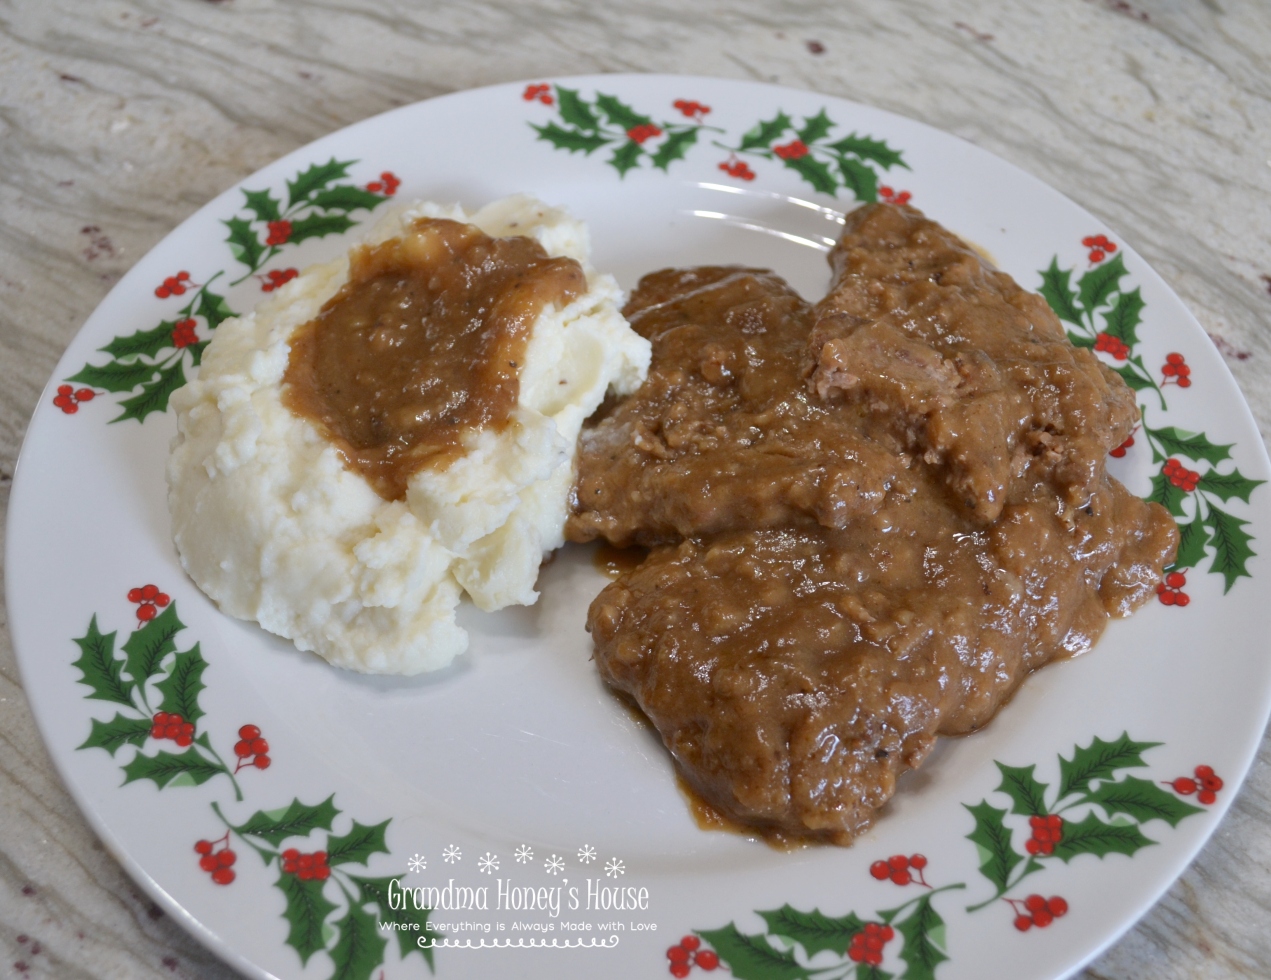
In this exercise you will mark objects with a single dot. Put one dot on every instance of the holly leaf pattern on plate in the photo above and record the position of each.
(1141, 799)
(360, 948)
(1028, 796)
(1122, 320)
(1099, 760)
(1092, 836)
(357, 845)
(753, 957)
(676, 145)
(991, 835)
(263, 204)
(115, 734)
(1192, 537)
(165, 767)
(626, 156)
(1056, 289)
(813, 931)
(869, 149)
(619, 113)
(859, 179)
(1231, 545)
(1193, 445)
(149, 644)
(307, 909)
(764, 133)
(154, 395)
(315, 225)
(374, 891)
(143, 342)
(182, 686)
(315, 178)
(102, 670)
(923, 930)
(1228, 485)
(814, 172)
(297, 820)
(1099, 283)
(575, 110)
(119, 376)
(815, 127)
(572, 140)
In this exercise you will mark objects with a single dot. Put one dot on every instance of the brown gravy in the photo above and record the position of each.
(423, 344)
(870, 520)
(613, 562)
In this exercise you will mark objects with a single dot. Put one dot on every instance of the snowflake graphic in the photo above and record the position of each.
(554, 865)
(615, 867)
(524, 854)
(451, 854)
(488, 863)
(417, 863)
(586, 854)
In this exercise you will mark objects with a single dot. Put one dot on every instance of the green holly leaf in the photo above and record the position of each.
(244, 244)
(815, 127)
(1028, 796)
(182, 686)
(1123, 318)
(763, 134)
(869, 149)
(1080, 339)
(147, 342)
(102, 670)
(315, 178)
(1192, 537)
(1167, 495)
(1093, 836)
(150, 643)
(575, 141)
(921, 951)
(991, 835)
(346, 197)
(1099, 760)
(116, 375)
(814, 172)
(812, 930)
(168, 766)
(1195, 446)
(1230, 544)
(297, 820)
(195, 351)
(314, 225)
(1057, 291)
(575, 111)
(213, 309)
(1099, 283)
(625, 157)
(1134, 376)
(619, 113)
(1228, 485)
(859, 179)
(1141, 799)
(357, 846)
(866, 972)
(360, 948)
(263, 204)
(375, 891)
(115, 734)
(154, 394)
(307, 910)
(753, 957)
(676, 145)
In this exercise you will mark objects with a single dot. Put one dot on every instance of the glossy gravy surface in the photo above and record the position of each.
(422, 345)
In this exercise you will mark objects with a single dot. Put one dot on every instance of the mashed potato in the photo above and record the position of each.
(272, 525)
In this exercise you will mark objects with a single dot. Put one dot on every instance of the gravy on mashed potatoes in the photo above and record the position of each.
(353, 526)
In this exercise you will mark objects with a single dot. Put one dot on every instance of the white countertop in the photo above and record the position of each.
(118, 118)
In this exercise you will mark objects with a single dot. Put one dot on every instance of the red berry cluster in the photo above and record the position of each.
(900, 869)
(1180, 475)
(1100, 247)
(172, 726)
(1109, 344)
(1120, 450)
(1047, 832)
(279, 233)
(1038, 911)
(217, 862)
(892, 196)
(689, 954)
(1175, 367)
(386, 185)
(694, 110)
(737, 168)
(276, 279)
(68, 399)
(306, 867)
(183, 332)
(1171, 591)
(645, 131)
(150, 600)
(867, 946)
(1205, 781)
(251, 749)
(540, 92)
(791, 151)
(174, 285)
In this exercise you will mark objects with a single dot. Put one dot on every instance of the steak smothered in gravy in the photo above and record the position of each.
(871, 519)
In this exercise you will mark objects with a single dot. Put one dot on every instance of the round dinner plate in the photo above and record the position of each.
(293, 815)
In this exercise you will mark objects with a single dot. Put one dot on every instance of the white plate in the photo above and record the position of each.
(519, 748)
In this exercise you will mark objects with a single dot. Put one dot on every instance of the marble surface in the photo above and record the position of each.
(118, 118)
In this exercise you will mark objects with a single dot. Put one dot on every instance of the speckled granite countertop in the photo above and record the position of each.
(118, 118)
